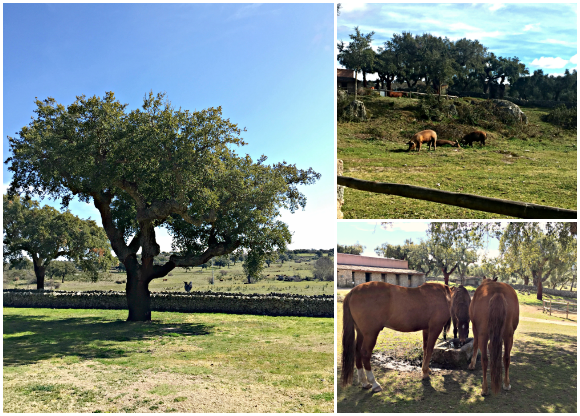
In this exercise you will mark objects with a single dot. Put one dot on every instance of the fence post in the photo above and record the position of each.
(550, 307)
(339, 191)
(567, 303)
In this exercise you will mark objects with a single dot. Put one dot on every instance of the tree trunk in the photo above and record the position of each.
(355, 77)
(540, 289)
(526, 280)
(446, 275)
(137, 288)
(364, 79)
(39, 272)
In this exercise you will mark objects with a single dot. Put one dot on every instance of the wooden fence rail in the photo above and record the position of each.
(548, 306)
(476, 202)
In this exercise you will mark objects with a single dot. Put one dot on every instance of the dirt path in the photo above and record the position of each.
(546, 321)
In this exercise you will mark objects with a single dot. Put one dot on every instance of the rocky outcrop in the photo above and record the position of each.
(511, 110)
(356, 111)
(452, 110)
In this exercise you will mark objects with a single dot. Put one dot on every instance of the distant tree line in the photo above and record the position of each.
(464, 65)
(354, 249)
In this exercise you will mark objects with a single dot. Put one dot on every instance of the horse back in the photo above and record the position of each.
(479, 307)
(375, 305)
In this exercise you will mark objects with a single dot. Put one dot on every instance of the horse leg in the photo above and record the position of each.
(484, 361)
(475, 347)
(366, 352)
(507, 346)
(358, 361)
(455, 325)
(432, 338)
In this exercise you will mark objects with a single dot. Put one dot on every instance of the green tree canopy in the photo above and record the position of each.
(358, 54)
(45, 234)
(354, 249)
(324, 269)
(157, 166)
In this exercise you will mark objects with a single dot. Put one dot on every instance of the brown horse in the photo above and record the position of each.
(372, 306)
(494, 313)
(460, 301)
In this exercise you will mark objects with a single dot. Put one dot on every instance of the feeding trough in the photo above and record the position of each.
(452, 354)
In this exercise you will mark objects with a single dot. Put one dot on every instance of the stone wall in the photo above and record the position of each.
(275, 304)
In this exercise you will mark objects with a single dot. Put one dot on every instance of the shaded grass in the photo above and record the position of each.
(86, 360)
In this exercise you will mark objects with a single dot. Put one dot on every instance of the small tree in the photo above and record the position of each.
(46, 234)
(253, 265)
(324, 269)
(60, 269)
(357, 54)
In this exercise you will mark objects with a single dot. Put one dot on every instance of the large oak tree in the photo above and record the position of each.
(157, 167)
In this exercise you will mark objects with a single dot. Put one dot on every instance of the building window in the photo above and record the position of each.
(398, 279)
(353, 281)
(410, 281)
(367, 277)
(383, 277)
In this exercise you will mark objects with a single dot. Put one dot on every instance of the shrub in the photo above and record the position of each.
(431, 107)
(563, 117)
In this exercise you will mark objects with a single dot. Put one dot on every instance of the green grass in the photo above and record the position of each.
(543, 376)
(536, 164)
(94, 361)
(232, 281)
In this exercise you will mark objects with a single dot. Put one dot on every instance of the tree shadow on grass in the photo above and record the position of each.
(29, 339)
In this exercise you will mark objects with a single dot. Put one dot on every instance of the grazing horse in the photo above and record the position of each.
(460, 301)
(372, 306)
(494, 313)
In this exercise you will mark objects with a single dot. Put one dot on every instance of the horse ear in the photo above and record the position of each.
(453, 289)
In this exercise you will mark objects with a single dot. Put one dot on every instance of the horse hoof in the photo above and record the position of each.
(471, 367)
(508, 388)
(485, 393)
(426, 376)
(377, 389)
(366, 386)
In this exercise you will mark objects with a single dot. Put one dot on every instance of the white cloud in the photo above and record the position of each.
(463, 26)
(532, 26)
(574, 59)
(558, 42)
(349, 7)
(547, 62)
(496, 6)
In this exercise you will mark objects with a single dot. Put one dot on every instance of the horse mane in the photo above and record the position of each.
(460, 300)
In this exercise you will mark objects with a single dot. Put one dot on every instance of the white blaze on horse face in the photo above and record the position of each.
(371, 379)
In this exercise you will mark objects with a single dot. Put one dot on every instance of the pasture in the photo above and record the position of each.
(226, 279)
(535, 163)
(95, 361)
(543, 373)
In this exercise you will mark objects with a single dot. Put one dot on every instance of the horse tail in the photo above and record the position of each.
(446, 328)
(348, 344)
(497, 318)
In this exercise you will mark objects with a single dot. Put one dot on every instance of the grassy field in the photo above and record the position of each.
(95, 361)
(543, 375)
(226, 279)
(536, 163)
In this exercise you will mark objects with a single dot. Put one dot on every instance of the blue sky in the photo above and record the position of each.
(542, 35)
(270, 67)
(372, 235)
